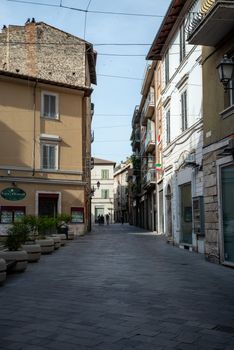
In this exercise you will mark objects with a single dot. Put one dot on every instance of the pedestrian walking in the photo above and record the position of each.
(99, 219)
(107, 219)
(122, 219)
(102, 220)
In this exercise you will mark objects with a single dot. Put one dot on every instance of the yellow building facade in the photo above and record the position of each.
(45, 146)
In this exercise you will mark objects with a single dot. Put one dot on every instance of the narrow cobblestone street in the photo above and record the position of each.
(119, 288)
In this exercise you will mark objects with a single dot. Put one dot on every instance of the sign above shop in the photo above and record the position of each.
(13, 194)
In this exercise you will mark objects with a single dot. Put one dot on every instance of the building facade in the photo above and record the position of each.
(45, 124)
(213, 27)
(181, 100)
(102, 185)
(121, 192)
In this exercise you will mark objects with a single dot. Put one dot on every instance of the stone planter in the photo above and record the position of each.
(47, 245)
(57, 241)
(33, 250)
(63, 238)
(70, 235)
(2, 271)
(18, 257)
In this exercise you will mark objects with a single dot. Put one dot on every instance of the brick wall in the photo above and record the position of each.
(56, 56)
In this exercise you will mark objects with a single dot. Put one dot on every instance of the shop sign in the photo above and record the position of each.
(13, 194)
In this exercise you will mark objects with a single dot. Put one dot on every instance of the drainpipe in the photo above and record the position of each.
(34, 127)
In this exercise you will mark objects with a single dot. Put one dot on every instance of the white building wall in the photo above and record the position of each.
(108, 184)
(186, 75)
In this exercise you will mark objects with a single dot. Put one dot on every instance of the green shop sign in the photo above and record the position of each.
(13, 194)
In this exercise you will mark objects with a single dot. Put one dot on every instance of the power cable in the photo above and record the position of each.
(105, 12)
(87, 10)
(86, 15)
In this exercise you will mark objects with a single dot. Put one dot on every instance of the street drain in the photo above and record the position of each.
(225, 329)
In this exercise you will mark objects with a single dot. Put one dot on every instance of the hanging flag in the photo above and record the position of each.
(158, 166)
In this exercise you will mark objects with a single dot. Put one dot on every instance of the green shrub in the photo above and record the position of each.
(18, 234)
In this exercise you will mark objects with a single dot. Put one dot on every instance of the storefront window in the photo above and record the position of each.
(77, 215)
(9, 214)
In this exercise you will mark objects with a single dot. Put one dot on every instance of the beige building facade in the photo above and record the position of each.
(45, 126)
(213, 28)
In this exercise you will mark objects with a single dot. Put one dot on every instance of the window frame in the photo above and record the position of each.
(182, 42)
(11, 209)
(107, 192)
(56, 95)
(184, 110)
(168, 125)
(103, 171)
(231, 93)
(79, 210)
(167, 68)
(54, 144)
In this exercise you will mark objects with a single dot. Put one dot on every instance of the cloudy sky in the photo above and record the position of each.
(119, 77)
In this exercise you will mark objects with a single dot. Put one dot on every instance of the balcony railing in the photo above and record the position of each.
(149, 178)
(209, 26)
(150, 141)
(149, 104)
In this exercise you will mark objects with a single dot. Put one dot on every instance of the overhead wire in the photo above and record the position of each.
(87, 10)
(104, 12)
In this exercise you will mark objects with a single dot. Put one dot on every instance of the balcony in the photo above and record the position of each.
(136, 116)
(135, 139)
(149, 179)
(149, 105)
(150, 141)
(210, 26)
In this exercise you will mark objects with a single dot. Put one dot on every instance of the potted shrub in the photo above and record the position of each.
(44, 224)
(14, 255)
(29, 245)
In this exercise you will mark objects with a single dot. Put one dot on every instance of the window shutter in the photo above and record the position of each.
(46, 105)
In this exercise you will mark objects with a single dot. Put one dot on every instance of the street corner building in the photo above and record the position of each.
(45, 124)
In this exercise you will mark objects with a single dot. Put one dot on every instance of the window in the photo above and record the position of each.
(184, 110)
(49, 105)
(105, 174)
(49, 156)
(77, 215)
(168, 126)
(231, 92)
(11, 214)
(105, 194)
(182, 43)
(167, 68)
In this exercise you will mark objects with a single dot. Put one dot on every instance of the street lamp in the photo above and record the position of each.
(225, 69)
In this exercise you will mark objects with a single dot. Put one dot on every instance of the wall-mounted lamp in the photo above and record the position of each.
(225, 69)
(93, 189)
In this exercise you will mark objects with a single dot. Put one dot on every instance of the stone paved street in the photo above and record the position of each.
(119, 288)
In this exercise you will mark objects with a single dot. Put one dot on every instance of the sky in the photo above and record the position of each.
(115, 98)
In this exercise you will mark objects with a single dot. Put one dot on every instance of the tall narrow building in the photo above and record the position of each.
(45, 123)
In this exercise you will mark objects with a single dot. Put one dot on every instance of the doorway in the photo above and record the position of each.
(48, 204)
(169, 212)
(186, 213)
(98, 211)
(227, 183)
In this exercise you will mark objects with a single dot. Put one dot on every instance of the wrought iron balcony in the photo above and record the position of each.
(150, 141)
(149, 106)
(212, 23)
(149, 178)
